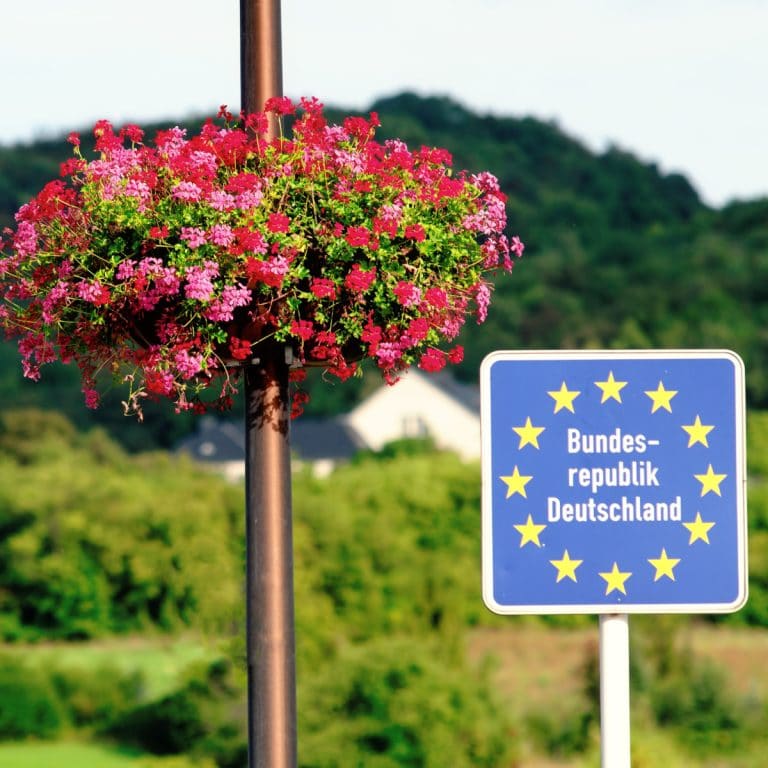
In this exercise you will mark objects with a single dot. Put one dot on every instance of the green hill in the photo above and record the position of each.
(619, 255)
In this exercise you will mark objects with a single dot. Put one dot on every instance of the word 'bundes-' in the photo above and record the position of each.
(613, 442)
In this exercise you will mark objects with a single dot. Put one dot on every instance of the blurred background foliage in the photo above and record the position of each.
(105, 535)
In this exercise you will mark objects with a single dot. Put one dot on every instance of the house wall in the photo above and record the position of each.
(414, 407)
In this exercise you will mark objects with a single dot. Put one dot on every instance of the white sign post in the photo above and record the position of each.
(614, 483)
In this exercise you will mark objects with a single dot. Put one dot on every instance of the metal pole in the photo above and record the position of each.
(261, 58)
(269, 540)
(614, 691)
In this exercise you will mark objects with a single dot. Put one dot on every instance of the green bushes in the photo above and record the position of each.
(203, 717)
(28, 702)
(399, 701)
(94, 542)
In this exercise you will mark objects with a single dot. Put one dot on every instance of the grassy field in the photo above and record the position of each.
(540, 670)
(537, 670)
(160, 660)
(74, 755)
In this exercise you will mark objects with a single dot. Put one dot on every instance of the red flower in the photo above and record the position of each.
(323, 288)
(415, 232)
(303, 329)
(456, 355)
(358, 236)
(278, 222)
(436, 297)
(280, 105)
(359, 281)
(432, 360)
(240, 349)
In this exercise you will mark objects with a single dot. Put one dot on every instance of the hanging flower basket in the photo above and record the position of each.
(170, 263)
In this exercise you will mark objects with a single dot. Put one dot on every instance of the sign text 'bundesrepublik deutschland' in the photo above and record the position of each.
(613, 482)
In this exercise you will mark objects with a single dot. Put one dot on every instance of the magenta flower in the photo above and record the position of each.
(194, 236)
(166, 261)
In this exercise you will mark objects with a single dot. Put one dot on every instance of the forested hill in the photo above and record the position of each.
(619, 255)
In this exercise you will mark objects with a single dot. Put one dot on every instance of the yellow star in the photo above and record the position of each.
(530, 532)
(566, 567)
(710, 481)
(615, 580)
(611, 388)
(697, 432)
(516, 482)
(699, 529)
(529, 435)
(664, 565)
(564, 398)
(661, 397)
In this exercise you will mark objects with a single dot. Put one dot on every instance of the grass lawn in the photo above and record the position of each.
(74, 755)
(161, 660)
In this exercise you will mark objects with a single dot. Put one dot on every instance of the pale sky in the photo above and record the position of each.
(678, 82)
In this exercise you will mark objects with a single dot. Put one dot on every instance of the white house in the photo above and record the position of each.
(419, 405)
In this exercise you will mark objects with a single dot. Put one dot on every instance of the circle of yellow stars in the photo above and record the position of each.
(611, 389)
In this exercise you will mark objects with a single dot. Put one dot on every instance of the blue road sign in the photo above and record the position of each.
(613, 482)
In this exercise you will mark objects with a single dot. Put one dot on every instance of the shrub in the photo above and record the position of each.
(28, 702)
(96, 697)
(395, 702)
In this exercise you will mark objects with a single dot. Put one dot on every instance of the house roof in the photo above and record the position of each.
(466, 394)
(215, 441)
(315, 439)
(311, 440)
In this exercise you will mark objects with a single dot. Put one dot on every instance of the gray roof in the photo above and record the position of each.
(311, 440)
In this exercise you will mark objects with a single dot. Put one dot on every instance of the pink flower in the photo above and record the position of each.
(199, 285)
(94, 292)
(483, 299)
(187, 364)
(388, 353)
(221, 234)
(138, 189)
(358, 280)
(250, 198)
(407, 294)
(91, 398)
(517, 246)
(25, 239)
(187, 191)
(221, 201)
(194, 236)
(233, 296)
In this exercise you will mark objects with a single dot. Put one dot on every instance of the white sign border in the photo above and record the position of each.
(487, 479)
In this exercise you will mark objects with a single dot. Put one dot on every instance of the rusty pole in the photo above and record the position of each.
(269, 539)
